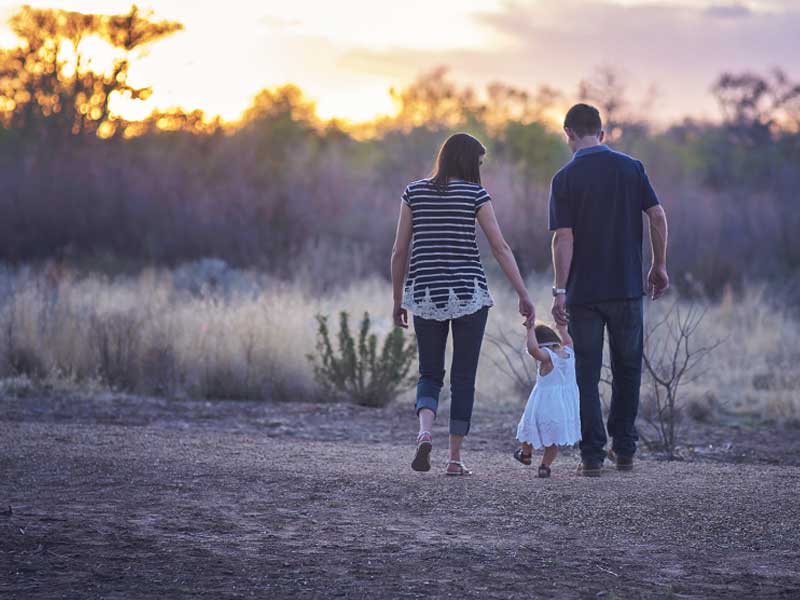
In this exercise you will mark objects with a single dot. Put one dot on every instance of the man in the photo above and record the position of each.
(596, 206)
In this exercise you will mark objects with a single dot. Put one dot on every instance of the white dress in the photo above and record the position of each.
(552, 415)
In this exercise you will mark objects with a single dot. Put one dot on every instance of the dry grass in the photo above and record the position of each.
(202, 330)
(209, 331)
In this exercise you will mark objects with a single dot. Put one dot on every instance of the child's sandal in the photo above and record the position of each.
(525, 459)
(462, 469)
(544, 472)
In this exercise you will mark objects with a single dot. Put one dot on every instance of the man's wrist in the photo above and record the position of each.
(559, 291)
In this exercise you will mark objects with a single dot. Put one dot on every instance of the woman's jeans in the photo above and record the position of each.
(587, 324)
(431, 343)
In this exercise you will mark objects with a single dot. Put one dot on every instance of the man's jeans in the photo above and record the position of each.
(431, 342)
(624, 320)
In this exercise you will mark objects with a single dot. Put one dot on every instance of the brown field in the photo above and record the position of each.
(126, 497)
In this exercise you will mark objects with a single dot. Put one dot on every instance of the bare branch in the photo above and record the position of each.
(669, 359)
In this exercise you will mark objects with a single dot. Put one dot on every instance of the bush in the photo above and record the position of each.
(160, 373)
(671, 360)
(359, 373)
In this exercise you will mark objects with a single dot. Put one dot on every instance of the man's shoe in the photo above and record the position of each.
(624, 463)
(590, 469)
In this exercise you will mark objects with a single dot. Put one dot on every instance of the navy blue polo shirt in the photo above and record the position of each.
(601, 194)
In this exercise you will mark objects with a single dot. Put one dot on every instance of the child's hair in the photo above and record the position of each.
(545, 335)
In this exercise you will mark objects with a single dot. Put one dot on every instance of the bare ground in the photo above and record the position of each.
(120, 497)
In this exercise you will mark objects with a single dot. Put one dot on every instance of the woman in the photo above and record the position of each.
(444, 285)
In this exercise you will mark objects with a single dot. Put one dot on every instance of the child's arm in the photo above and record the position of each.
(533, 347)
(566, 339)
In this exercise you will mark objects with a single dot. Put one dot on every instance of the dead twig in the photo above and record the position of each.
(515, 363)
(670, 361)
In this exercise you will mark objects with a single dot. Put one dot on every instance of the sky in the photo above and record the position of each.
(346, 55)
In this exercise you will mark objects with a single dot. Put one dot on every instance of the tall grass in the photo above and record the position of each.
(200, 330)
(205, 330)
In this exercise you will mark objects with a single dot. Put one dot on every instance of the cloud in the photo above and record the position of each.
(729, 11)
(679, 48)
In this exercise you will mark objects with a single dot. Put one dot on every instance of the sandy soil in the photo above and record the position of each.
(120, 497)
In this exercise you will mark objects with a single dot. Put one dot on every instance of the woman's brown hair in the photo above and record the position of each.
(458, 158)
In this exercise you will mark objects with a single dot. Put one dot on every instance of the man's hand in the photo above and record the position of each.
(560, 310)
(527, 310)
(400, 316)
(657, 281)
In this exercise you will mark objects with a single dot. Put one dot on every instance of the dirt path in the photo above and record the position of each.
(236, 501)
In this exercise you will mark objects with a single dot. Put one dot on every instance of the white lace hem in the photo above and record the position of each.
(541, 435)
(452, 309)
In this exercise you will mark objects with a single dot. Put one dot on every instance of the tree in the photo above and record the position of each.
(436, 102)
(175, 120)
(49, 86)
(608, 90)
(507, 104)
(757, 106)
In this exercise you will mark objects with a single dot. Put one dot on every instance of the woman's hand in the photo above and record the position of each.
(400, 316)
(527, 310)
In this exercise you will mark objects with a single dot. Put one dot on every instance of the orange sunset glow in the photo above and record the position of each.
(346, 55)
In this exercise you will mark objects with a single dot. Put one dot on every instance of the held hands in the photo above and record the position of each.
(400, 316)
(527, 310)
(657, 281)
(559, 310)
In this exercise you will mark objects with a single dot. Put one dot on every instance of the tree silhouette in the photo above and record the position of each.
(49, 86)
(608, 90)
(434, 101)
(758, 105)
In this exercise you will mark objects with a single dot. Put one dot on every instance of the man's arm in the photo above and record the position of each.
(658, 279)
(562, 260)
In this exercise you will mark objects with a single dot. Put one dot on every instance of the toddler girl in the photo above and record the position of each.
(552, 415)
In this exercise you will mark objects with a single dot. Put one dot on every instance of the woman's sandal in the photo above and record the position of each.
(422, 457)
(544, 471)
(462, 469)
(525, 459)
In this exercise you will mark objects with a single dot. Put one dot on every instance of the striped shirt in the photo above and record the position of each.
(445, 276)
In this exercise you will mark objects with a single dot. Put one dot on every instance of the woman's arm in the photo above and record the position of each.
(402, 243)
(533, 347)
(502, 252)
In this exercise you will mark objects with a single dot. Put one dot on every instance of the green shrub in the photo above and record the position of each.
(359, 372)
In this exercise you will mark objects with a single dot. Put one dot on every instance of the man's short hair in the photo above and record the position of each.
(584, 120)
